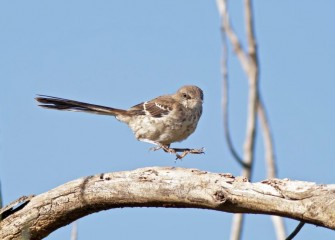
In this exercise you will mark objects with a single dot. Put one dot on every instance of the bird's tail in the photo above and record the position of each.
(70, 105)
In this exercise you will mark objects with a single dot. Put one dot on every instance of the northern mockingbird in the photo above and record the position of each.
(160, 121)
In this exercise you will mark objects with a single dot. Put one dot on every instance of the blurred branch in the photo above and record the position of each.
(74, 231)
(222, 7)
(268, 141)
(249, 143)
(225, 102)
(249, 63)
(278, 222)
(170, 188)
(250, 67)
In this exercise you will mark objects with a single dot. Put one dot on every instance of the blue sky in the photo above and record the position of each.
(119, 53)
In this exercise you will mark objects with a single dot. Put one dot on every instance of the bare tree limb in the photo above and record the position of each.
(252, 47)
(268, 141)
(251, 122)
(249, 63)
(250, 66)
(249, 144)
(171, 188)
(225, 103)
(278, 222)
(223, 11)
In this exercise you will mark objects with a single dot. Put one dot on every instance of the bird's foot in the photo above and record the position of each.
(184, 151)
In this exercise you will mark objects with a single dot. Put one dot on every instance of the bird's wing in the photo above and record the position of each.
(157, 107)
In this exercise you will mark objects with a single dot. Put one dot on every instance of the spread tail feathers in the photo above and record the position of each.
(70, 105)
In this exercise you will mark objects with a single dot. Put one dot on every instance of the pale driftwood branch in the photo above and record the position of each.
(169, 188)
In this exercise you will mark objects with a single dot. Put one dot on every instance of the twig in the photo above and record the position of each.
(222, 6)
(296, 231)
(225, 102)
(270, 160)
(249, 144)
(268, 141)
(249, 63)
(252, 47)
(251, 72)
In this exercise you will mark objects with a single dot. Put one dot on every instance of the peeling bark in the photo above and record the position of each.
(169, 188)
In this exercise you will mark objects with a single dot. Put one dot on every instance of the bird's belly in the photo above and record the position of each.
(162, 130)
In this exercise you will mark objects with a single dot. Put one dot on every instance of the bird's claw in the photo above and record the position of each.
(191, 151)
(175, 151)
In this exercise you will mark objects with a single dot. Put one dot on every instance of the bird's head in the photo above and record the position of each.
(190, 96)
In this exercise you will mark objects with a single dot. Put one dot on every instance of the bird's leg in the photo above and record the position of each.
(184, 151)
(166, 148)
(161, 146)
(155, 148)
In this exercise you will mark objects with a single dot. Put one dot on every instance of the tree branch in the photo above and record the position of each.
(74, 231)
(169, 188)
(249, 63)
(270, 159)
(225, 101)
(223, 11)
(268, 141)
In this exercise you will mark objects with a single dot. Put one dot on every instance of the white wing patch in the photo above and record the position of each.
(154, 109)
(162, 107)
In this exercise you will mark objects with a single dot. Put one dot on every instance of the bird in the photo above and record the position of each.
(161, 121)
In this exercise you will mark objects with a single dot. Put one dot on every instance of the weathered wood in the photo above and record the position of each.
(171, 188)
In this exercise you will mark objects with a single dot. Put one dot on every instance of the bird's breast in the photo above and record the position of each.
(174, 127)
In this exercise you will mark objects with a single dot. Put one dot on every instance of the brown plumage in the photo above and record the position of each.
(160, 121)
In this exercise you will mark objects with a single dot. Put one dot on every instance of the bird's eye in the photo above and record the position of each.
(184, 95)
